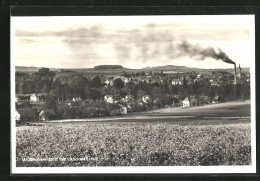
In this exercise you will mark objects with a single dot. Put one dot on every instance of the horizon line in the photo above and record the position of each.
(120, 65)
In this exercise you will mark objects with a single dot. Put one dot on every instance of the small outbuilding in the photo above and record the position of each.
(186, 102)
(43, 116)
(46, 115)
(34, 98)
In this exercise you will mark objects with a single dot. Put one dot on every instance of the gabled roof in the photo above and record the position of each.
(42, 113)
(186, 99)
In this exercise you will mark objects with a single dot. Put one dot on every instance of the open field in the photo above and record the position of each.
(203, 137)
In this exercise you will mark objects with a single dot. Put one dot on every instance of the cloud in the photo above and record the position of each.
(155, 43)
(93, 31)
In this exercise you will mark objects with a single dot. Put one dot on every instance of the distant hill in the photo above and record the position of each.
(118, 69)
(171, 68)
(102, 67)
(167, 67)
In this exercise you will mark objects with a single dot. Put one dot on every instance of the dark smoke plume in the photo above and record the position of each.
(154, 45)
(202, 53)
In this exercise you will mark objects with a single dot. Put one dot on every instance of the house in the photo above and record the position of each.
(43, 116)
(176, 82)
(76, 99)
(17, 116)
(123, 110)
(186, 102)
(34, 98)
(146, 98)
(46, 115)
(109, 99)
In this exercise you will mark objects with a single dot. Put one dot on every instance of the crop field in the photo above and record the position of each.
(133, 144)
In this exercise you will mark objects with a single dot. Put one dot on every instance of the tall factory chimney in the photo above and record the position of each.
(235, 75)
(239, 74)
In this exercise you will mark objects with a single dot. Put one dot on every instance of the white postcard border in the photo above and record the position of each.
(138, 169)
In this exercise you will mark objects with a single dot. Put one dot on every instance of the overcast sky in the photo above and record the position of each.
(131, 41)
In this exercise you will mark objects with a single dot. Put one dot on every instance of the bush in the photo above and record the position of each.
(115, 113)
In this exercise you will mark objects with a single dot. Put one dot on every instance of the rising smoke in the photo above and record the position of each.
(201, 53)
(170, 50)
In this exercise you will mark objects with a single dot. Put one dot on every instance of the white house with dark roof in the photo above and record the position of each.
(186, 102)
(34, 98)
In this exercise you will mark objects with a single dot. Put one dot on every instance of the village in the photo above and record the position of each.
(107, 95)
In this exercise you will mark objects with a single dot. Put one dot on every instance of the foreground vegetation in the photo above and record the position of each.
(133, 144)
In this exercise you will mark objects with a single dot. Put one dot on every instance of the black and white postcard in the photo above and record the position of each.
(133, 94)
